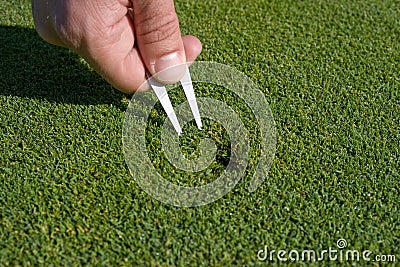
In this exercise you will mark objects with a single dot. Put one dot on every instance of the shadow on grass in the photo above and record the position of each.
(31, 68)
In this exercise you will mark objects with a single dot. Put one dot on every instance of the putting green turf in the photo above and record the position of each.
(330, 71)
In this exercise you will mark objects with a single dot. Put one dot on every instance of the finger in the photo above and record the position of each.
(192, 46)
(43, 20)
(110, 53)
(128, 75)
(123, 67)
(159, 39)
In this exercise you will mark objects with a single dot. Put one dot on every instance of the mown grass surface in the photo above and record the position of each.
(330, 71)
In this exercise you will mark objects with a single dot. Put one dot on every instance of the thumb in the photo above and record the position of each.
(159, 38)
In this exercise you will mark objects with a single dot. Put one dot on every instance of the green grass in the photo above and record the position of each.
(330, 71)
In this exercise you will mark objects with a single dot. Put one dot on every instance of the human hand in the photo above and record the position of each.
(120, 39)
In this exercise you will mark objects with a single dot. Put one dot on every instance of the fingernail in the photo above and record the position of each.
(169, 68)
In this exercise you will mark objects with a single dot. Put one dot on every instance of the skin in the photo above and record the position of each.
(120, 39)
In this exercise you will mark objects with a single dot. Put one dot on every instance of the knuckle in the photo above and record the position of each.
(53, 26)
(41, 22)
(42, 30)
